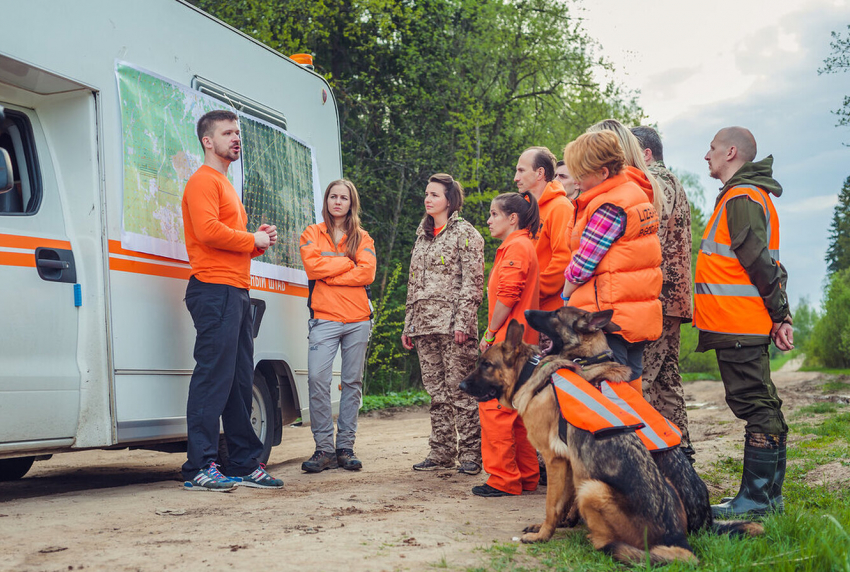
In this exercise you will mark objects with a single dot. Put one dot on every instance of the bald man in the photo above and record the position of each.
(740, 304)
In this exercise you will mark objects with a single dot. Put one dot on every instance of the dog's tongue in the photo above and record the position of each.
(545, 345)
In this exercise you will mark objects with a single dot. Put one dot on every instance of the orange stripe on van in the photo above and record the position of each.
(153, 269)
(33, 242)
(17, 259)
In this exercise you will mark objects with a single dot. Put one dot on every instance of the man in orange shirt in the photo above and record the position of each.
(220, 250)
(535, 172)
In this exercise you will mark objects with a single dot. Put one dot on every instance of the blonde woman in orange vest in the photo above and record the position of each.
(616, 260)
(513, 288)
(339, 258)
(739, 306)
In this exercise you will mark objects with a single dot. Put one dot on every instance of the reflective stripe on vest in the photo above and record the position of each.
(725, 299)
(658, 433)
(584, 406)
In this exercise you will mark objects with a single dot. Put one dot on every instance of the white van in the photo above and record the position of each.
(100, 100)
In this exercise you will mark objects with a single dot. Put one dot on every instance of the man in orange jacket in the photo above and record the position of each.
(740, 304)
(535, 172)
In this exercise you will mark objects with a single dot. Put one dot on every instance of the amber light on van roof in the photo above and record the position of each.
(303, 59)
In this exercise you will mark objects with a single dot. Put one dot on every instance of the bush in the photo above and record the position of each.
(829, 344)
(692, 362)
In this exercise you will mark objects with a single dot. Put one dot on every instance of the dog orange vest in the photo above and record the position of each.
(658, 433)
(616, 408)
(725, 299)
(583, 406)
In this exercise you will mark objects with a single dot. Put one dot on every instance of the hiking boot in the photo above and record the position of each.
(210, 479)
(260, 479)
(320, 461)
(757, 495)
(429, 465)
(345, 458)
(469, 468)
(486, 490)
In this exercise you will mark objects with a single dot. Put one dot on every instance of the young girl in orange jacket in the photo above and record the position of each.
(339, 258)
(513, 288)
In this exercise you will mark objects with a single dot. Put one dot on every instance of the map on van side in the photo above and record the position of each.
(276, 176)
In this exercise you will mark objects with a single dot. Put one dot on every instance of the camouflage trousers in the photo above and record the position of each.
(455, 430)
(662, 383)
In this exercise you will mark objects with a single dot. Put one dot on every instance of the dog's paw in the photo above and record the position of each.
(533, 537)
(571, 519)
(532, 528)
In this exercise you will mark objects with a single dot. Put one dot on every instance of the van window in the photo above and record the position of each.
(17, 139)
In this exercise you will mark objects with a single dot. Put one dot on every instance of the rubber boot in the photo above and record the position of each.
(761, 459)
(775, 493)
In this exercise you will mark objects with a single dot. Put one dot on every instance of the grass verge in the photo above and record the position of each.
(813, 535)
(409, 398)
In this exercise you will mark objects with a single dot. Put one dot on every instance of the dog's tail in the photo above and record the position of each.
(737, 527)
(657, 554)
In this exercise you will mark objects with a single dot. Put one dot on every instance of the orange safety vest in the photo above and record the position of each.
(583, 406)
(725, 300)
(628, 278)
(658, 433)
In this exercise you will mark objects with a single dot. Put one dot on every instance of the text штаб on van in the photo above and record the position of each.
(98, 129)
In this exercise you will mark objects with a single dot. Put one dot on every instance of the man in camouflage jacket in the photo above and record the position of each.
(445, 288)
(662, 383)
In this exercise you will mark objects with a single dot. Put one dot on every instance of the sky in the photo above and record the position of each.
(702, 66)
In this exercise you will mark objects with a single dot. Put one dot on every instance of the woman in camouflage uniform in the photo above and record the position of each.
(444, 291)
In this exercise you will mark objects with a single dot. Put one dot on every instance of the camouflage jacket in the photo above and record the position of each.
(446, 283)
(674, 232)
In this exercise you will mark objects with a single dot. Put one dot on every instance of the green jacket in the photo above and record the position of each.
(748, 230)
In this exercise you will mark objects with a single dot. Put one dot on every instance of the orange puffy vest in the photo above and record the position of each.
(658, 433)
(628, 279)
(725, 300)
(583, 406)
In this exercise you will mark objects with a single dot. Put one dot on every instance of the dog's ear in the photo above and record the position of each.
(595, 321)
(611, 327)
(513, 339)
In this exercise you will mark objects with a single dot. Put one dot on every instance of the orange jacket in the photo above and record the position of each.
(515, 282)
(553, 243)
(628, 279)
(585, 407)
(725, 299)
(337, 284)
(218, 243)
(658, 433)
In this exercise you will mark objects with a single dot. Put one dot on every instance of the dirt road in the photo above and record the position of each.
(123, 510)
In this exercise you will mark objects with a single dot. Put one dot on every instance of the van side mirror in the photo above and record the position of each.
(7, 177)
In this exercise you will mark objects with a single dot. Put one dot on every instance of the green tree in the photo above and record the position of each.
(459, 86)
(829, 344)
(839, 61)
(805, 318)
(838, 252)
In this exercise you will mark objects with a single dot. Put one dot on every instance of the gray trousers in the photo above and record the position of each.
(325, 338)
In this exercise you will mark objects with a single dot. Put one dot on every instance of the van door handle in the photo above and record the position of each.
(48, 263)
(55, 265)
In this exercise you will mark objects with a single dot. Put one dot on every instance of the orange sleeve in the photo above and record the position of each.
(317, 265)
(552, 277)
(363, 273)
(513, 275)
(202, 200)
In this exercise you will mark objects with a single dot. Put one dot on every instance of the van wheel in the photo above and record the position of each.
(14, 469)
(262, 414)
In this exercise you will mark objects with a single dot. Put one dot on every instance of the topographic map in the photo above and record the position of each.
(276, 176)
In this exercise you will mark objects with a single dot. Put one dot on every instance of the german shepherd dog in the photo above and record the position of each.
(564, 329)
(612, 482)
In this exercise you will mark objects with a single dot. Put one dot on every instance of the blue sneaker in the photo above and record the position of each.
(210, 479)
(260, 479)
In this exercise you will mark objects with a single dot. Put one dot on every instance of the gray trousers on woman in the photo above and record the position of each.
(325, 338)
